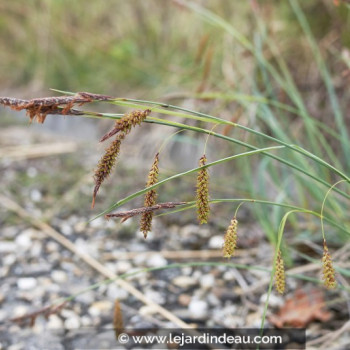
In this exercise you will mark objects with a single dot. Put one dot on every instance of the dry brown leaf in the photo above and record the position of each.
(301, 309)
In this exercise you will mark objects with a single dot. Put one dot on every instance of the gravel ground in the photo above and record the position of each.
(36, 271)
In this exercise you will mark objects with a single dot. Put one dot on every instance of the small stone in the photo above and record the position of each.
(23, 240)
(9, 259)
(147, 310)
(156, 260)
(72, 323)
(155, 296)
(66, 229)
(184, 299)
(198, 309)
(18, 346)
(3, 315)
(36, 249)
(19, 310)
(54, 322)
(80, 226)
(7, 247)
(184, 281)
(86, 321)
(26, 283)
(216, 242)
(123, 266)
(115, 292)
(207, 281)
(100, 307)
(35, 195)
(59, 276)
(52, 247)
(213, 299)
(274, 300)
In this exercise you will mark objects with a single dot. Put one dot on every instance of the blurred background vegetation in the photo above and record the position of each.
(167, 51)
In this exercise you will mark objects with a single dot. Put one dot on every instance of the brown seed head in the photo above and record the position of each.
(150, 197)
(230, 239)
(203, 208)
(280, 278)
(128, 121)
(118, 324)
(106, 164)
(328, 269)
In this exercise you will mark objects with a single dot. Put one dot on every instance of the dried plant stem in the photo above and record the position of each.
(130, 213)
(45, 311)
(39, 108)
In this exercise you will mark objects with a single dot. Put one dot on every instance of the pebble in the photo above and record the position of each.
(9, 232)
(80, 226)
(184, 281)
(213, 300)
(198, 309)
(207, 281)
(216, 242)
(7, 247)
(155, 296)
(156, 260)
(26, 283)
(100, 307)
(66, 229)
(72, 323)
(23, 240)
(36, 249)
(19, 310)
(54, 322)
(123, 266)
(115, 292)
(86, 321)
(147, 310)
(18, 346)
(184, 299)
(3, 315)
(274, 300)
(9, 259)
(59, 276)
(35, 195)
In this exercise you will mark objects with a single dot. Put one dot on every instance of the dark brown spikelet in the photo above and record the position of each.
(203, 208)
(328, 269)
(128, 121)
(280, 278)
(118, 323)
(150, 197)
(230, 239)
(106, 164)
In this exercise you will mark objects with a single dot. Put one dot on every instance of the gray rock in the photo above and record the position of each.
(26, 283)
(156, 260)
(184, 281)
(216, 242)
(198, 309)
(7, 247)
(59, 276)
(207, 281)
